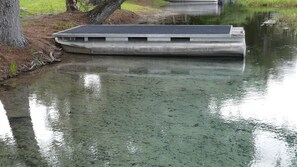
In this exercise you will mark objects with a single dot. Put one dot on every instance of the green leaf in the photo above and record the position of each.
(13, 68)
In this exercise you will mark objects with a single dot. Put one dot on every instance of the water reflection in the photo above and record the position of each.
(187, 10)
(194, 8)
(152, 66)
(25, 150)
(92, 82)
(267, 107)
(128, 111)
(44, 119)
(117, 123)
(281, 154)
(5, 133)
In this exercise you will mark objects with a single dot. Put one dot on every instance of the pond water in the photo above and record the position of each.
(129, 111)
(194, 8)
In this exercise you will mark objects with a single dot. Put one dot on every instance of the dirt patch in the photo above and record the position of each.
(154, 17)
(40, 43)
(123, 17)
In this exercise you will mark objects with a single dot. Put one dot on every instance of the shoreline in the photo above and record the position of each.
(41, 49)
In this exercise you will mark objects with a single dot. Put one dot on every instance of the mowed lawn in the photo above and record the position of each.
(35, 7)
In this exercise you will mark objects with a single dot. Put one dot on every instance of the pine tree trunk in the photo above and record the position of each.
(71, 5)
(10, 24)
(104, 9)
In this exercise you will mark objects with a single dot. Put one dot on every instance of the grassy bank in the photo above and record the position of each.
(268, 3)
(143, 5)
(135, 8)
(151, 3)
(286, 9)
(288, 18)
(37, 7)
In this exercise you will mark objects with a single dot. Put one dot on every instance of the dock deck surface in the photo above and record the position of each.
(138, 29)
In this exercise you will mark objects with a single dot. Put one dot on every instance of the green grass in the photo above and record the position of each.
(13, 68)
(136, 8)
(132, 7)
(285, 17)
(288, 18)
(268, 3)
(151, 3)
(148, 5)
(36, 7)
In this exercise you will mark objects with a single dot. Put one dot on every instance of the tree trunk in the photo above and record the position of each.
(71, 5)
(94, 2)
(104, 9)
(10, 24)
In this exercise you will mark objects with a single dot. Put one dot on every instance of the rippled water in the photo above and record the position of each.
(119, 111)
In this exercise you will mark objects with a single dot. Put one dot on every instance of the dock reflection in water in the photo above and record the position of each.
(116, 111)
(142, 66)
(194, 8)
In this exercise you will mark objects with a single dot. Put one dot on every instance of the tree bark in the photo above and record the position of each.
(104, 9)
(71, 5)
(94, 2)
(10, 24)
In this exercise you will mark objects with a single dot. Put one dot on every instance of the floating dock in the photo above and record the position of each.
(152, 40)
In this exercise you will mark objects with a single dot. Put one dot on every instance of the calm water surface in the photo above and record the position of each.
(115, 111)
